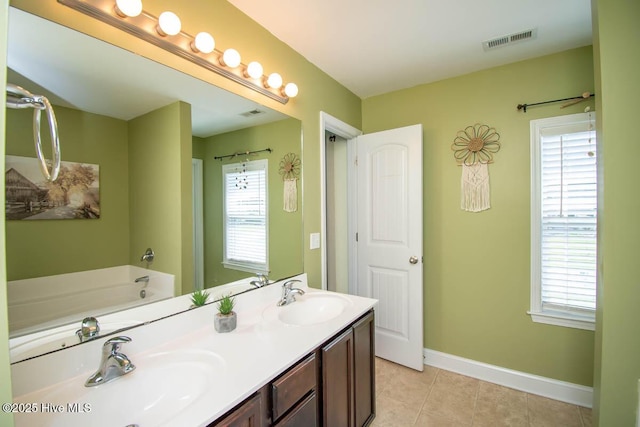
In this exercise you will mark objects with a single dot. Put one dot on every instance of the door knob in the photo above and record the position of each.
(413, 260)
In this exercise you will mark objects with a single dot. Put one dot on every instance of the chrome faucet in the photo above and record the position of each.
(90, 328)
(289, 293)
(262, 280)
(144, 279)
(113, 364)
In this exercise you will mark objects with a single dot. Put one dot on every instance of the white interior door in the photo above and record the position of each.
(389, 248)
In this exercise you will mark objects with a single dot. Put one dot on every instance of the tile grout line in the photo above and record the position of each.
(475, 404)
(580, 413)
(424, 403)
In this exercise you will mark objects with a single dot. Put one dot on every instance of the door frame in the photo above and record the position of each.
(198, 223)
(348, 132)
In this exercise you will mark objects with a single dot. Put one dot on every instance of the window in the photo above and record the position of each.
(245, 216)
(564, 220)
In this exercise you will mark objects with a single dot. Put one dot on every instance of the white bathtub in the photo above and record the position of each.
(46, 302)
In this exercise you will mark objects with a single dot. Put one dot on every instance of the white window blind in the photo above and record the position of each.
(245, 216)
(564, 217)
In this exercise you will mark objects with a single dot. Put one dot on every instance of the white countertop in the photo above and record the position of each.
(238, 363)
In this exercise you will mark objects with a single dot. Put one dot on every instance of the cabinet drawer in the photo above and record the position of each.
(287, 390)
(250, 413)
(305, 414)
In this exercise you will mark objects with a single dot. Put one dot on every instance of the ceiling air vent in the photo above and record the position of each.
(509, 39)
(252, 113)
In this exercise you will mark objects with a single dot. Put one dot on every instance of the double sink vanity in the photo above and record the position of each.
(309, 362)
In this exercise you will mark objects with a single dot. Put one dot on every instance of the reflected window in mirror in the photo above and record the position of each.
(246, 216)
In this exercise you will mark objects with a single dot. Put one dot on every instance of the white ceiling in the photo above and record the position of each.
(377, 46)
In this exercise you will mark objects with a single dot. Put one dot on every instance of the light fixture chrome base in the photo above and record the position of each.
(144, 27)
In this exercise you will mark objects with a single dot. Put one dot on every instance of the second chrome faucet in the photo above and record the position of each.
(289, 293)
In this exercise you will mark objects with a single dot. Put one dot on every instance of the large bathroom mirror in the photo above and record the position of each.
(157, 141)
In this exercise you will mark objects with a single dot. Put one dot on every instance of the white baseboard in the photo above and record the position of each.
(534, 384)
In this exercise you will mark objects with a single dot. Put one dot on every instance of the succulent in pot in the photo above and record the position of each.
(225, 319)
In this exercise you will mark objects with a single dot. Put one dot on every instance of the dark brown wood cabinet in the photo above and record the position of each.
(364, 370)
(250, 413)
(304, 414)
(348, 376)
(294, 394)
(333, 386)
(337, 382)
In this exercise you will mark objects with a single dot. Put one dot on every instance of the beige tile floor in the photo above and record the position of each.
(439, 398)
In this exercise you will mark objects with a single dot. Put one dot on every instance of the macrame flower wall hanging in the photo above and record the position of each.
(473, 148)
(290, 171)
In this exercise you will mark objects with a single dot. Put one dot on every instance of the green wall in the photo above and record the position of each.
(160, 173)
(198, 148)
(617, 54)
(285, 228)
(48, 247)
(476, 270)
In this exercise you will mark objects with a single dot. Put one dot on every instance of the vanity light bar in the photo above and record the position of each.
(145, 27)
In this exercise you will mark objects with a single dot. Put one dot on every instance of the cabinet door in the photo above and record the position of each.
(250, 414)
(337, 382)
(364, 370)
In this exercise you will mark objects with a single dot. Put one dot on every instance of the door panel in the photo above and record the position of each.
(391, 289)
(389, 212)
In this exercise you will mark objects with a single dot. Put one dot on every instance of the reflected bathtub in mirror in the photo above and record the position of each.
(42, 302)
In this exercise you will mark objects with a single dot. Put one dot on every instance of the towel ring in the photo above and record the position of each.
(19, 98)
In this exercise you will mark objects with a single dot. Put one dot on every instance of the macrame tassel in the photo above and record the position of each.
(475, 192)
(290, 195)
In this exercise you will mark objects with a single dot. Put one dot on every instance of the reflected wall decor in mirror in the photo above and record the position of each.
(155, 134)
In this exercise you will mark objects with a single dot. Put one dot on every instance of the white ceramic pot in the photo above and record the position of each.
(225, 322)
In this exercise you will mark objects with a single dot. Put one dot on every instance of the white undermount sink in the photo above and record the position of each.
(312, 308)
(163, 385)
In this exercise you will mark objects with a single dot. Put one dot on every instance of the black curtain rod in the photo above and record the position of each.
(524, 106)
(242, 153)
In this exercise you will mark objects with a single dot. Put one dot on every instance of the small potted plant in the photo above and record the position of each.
(199, 298)
(226, 319)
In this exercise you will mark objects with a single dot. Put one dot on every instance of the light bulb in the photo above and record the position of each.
(274, 80)
(230, 58)
(204, 43)
(169, 24)
(254, 70)
(131, 8)
(291, 90)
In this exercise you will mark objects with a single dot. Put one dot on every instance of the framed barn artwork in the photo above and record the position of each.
(75, 194)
